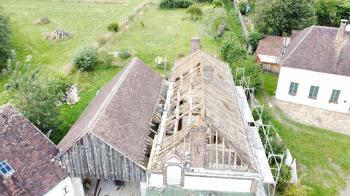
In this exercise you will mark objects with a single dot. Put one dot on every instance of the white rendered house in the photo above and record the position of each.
(316, 69)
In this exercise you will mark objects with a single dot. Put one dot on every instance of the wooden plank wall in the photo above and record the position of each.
(90, 157)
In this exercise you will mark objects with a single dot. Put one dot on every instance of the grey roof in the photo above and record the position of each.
(30, 153)
(121, 112)
(314, 49)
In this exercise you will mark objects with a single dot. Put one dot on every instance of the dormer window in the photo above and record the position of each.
(5, 169)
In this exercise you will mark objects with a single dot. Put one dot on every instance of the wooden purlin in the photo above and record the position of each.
(215, 101)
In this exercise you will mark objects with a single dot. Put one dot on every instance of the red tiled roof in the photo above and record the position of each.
(30, 153)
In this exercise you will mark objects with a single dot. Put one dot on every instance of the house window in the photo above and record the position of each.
(293, 88)
(334, 96)
(313, 92)
(5, 169)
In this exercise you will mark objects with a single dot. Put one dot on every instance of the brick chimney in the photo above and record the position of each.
(195, 44)
(197, 142)
(341, 34)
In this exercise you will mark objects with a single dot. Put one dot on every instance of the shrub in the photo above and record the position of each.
(254, 72)
(231, 49)
(215, 22)
(254, 39)
(113, 27)
(124, 53)
(5, 48)
(86, 59)
(168, 4)
(244, 8)
(219, 26)
(195, 12)
(295, 189)
(284, 178)
(218, 3)
(106, 59)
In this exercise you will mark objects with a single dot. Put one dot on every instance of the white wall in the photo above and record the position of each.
(156, 180)
(67, 187)
(306, 78)
(216, 184)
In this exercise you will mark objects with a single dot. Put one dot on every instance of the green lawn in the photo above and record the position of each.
(323, 157)
(164, 33)
(85, 21)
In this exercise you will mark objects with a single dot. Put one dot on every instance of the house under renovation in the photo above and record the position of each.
(190, 133)
(204, 142)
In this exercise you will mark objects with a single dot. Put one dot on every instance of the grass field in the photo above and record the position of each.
(164, 33)
(323, 157)
(85, 21)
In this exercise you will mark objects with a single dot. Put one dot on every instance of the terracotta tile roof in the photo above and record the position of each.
(314, 49)
(121, 112)
(29, 153)
(270, 45)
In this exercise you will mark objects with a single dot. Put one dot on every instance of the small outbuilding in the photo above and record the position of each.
(270, 51)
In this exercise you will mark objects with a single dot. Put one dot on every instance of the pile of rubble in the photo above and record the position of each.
(57, 34)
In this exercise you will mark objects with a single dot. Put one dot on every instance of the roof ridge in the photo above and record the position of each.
(297, 45)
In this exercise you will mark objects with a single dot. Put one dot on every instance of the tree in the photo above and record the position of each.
(231, 50)
(253, 40)
(195, 12)
(282, 16)
(5, 35)
(36, 94)
(330, 12)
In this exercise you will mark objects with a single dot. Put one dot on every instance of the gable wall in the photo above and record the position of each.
(306, 78)
(90, 157)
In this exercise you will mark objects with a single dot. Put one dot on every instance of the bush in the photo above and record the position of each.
(215, 22)
(284, 178)
(218, 3)
(195, 12)
(113, 27)
(244, 8)
(124, 53)
(253, 40)
(5, 35)
(168, 4)
(219, 26)
(254, 72)
(106, 59)
(295, 189)
(86, 59)
(231, 50)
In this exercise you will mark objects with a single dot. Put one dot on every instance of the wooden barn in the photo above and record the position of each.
(112, 137)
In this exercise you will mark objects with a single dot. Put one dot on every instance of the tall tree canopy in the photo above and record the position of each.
(330, 12)
(37, 94)
(280, 17)
(5, 49)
